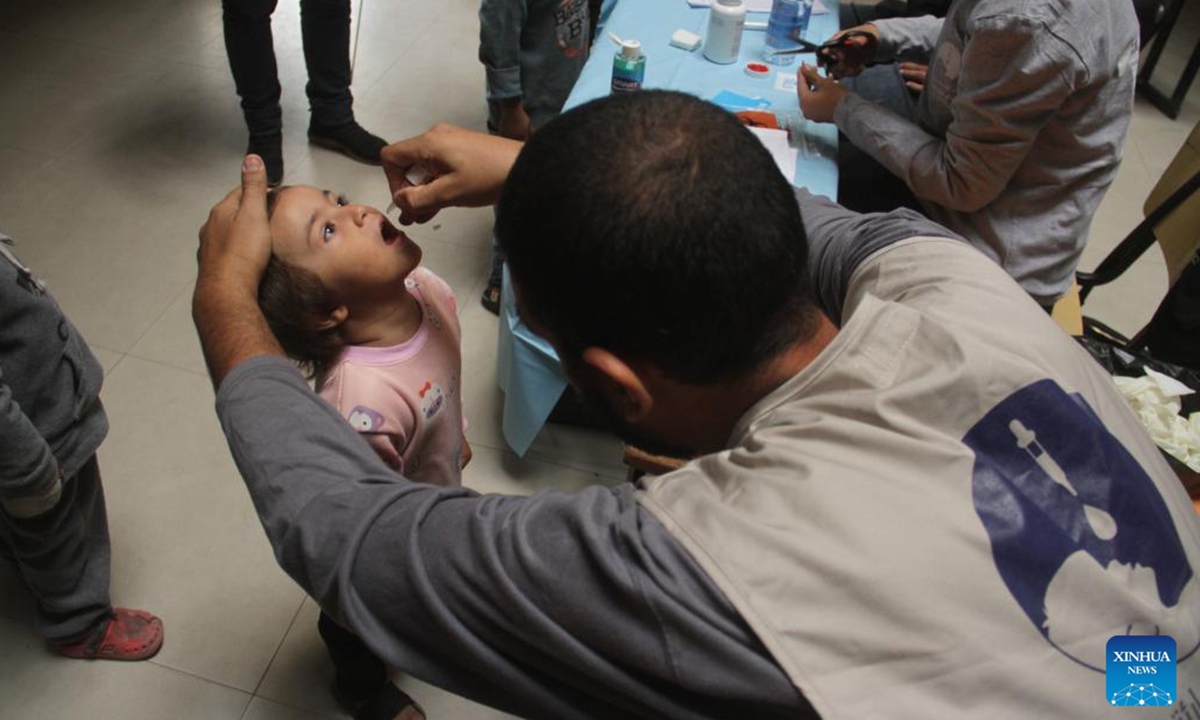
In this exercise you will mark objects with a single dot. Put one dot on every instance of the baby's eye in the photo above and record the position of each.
(342, 201)
(327, 232)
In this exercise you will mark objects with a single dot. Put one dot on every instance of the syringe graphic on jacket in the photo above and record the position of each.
(1102, 523)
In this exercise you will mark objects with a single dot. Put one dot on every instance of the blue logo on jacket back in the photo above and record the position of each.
(1079, 533)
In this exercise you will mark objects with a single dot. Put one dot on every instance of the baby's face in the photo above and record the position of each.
(354, 249)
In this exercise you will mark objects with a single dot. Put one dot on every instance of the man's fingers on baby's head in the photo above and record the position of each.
(254, 181)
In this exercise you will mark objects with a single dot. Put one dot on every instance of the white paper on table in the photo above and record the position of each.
(776, 143)
(761, 6)
(785, 81)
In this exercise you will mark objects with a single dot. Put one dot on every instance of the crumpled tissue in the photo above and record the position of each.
(1155, 398)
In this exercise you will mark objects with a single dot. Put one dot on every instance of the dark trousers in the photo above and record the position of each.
(63, 555)
(359, 672)
(865, 185)
(325, 26)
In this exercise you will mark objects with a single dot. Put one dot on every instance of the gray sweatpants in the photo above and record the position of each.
(64, 556)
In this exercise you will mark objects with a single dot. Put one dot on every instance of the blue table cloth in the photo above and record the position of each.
(528, 370)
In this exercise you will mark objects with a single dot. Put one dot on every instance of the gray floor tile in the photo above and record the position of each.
(36, 684)
(186, 543)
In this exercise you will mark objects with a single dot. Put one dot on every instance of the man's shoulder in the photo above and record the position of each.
(910, 269)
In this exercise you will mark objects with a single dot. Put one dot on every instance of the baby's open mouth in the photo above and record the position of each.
(390, 234)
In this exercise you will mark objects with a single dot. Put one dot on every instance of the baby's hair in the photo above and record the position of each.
(294, 302)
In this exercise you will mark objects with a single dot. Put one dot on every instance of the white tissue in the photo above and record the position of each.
(1155, 399)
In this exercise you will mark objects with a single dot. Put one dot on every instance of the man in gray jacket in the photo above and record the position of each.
(913, 496)
(53, 524)
(1018, 131)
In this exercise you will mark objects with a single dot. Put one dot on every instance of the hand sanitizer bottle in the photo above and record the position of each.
(629, 66)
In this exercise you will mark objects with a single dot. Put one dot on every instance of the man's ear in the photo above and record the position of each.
(626, 388)
(336, 317)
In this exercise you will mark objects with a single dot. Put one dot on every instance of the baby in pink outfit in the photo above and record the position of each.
(344, 295)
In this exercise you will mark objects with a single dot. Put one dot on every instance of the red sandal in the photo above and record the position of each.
(127, 635)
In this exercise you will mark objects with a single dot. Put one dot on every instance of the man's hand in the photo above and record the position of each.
(851, 54)
(914, 75)
(819, 96)
(235, 245)
(468, 170)
(235, 241)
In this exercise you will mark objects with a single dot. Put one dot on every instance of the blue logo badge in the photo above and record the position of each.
(1140, 670)
(1080, 534)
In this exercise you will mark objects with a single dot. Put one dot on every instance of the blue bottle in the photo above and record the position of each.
(788, 23)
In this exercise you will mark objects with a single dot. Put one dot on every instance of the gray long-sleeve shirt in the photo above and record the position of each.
(1019, 130)
(560, 605)
(51, 419)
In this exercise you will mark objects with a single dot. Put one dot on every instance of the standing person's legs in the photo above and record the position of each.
(251, 51)
(361, 683)
(491, 292)
(325, 25)
(64, 557)
(864, 185)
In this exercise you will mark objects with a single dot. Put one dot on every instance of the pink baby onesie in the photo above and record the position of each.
(405, 399)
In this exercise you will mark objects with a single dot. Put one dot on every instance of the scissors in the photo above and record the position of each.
(824, 61)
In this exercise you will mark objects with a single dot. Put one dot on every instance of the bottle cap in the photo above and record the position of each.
(757, 70)
(631, 49)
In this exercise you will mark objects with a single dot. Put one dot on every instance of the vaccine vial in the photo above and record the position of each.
(726, 20)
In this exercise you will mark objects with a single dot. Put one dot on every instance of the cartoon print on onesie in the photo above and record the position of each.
(432, 398)
(364, 419)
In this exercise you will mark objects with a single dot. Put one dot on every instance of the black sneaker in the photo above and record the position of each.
(270, 149)
(349, 139)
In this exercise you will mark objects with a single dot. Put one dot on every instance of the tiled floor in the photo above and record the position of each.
(119, 128)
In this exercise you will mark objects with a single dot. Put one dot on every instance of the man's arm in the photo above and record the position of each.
(840, 239)
(911, 38)
(235, 245)
(560, 605)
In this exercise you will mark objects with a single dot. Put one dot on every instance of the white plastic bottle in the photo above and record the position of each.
(726, 19)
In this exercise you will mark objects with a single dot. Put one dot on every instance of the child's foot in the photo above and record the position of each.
(387, 703)
(127, 635)
(270, 148)
(491, 298)
(349, 139)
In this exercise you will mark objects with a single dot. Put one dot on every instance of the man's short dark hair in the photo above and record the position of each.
(655, 224)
